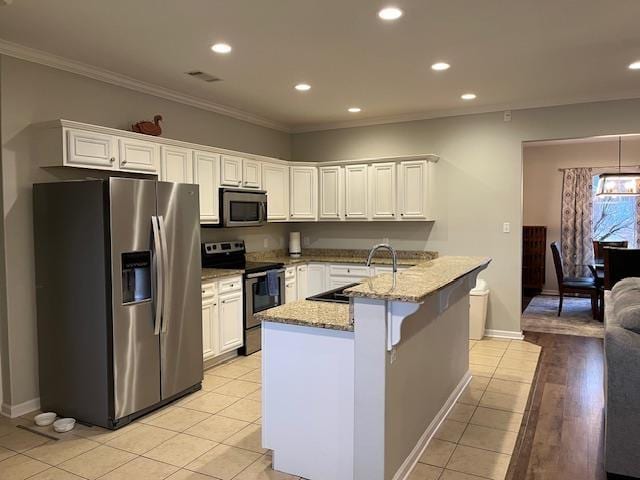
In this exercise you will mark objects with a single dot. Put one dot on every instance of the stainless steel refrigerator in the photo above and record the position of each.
(118, 296)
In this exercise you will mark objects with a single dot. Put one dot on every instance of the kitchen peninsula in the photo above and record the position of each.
(355, 391)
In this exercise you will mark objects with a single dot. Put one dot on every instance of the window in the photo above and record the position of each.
(614, 218)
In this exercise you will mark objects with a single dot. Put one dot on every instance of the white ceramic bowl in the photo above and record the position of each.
(64, 425)
(44, 419)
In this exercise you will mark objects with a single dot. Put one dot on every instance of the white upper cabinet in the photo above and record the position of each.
(138, 155)
(303, 191)
(331, 185)
(383, 191)
(176, 164)
(251, 177)
(231, 171)
(356, 192)
(275, 180)
(206, 166)
(414, 190)
(90, 150)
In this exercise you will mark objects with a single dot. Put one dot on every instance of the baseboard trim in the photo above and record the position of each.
(410, 462)
(550, 292)
(510, 334)
(20, 409)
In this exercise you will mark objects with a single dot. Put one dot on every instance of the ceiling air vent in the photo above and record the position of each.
(204, 76)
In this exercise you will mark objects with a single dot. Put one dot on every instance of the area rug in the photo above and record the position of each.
(541, 315)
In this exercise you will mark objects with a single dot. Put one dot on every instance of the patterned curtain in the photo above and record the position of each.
(576, 241)
(637, 222)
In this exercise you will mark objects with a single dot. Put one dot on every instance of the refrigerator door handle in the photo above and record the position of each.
(159, 266)
(165, 270)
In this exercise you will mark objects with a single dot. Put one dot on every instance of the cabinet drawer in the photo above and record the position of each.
(209, 290)
(349, 271)
(230, 284)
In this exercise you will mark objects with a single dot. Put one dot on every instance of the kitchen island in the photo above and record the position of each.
(355, 391)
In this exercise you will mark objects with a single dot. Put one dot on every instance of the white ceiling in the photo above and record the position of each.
(512, 53)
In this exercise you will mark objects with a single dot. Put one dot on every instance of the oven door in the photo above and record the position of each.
(257, 296)
(243, 209)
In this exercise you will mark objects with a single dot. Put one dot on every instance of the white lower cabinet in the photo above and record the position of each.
(301, 282)
(316, 279)
(230, 321)
(290, 285)
(222, 311)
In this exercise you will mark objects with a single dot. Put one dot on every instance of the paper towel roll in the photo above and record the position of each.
(294, 244)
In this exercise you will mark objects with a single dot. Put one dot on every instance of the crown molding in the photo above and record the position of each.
(462, 111)
(45, 58)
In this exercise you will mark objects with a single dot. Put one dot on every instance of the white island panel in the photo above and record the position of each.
(308, 400)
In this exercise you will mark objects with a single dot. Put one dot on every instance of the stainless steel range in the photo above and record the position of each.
(263, 285)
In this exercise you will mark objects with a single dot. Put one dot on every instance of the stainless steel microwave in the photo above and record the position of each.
(242, 208)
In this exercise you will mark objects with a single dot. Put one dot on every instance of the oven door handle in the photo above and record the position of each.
(263, 274)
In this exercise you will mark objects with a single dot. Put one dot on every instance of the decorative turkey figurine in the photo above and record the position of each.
(148, 128)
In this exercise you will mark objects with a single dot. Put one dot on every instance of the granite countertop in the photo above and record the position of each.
(215, 273)
(415, 284)
(335, 316)
(348, 256)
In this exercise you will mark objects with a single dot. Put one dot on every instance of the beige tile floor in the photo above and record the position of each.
(215, 433)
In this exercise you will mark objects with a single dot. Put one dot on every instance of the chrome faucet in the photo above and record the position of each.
(394, 258)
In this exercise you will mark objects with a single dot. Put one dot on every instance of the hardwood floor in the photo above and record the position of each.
(564, 432)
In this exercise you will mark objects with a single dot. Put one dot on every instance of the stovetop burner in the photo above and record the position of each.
(232, 255)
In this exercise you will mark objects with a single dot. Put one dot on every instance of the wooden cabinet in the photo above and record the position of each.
(138, 155)
(316, 279)
(303, 190)
(230, 171)
(331, 193)
(90, 150)
(230, 321)
(251, 174)
(176, 164)
(275, 180)
(383, 191)
(356, 192)
(302, 280)
(205, 168)
(414, 190)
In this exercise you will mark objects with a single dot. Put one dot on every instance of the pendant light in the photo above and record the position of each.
(618, 184)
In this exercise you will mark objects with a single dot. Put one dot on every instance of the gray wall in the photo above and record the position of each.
(542, 206)
(33, 93)
(479, 182)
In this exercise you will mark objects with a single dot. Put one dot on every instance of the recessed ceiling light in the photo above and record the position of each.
(635, 66)
(303, 87)
(355, 109)
(221, 48)
(390, 13)
(468, 96)
(440, 66)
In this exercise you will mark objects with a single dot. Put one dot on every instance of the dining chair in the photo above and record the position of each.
(620, 263)
(599, 246)
(580, 285)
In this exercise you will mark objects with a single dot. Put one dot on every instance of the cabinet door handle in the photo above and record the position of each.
(215, 304)
(112, 159)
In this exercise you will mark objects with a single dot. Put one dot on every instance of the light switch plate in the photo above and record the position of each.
(506, 227)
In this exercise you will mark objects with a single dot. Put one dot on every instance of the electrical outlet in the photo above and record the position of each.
(265, 242)
(306, 241)
(507, 116)
(506, 227)
(385, 240)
